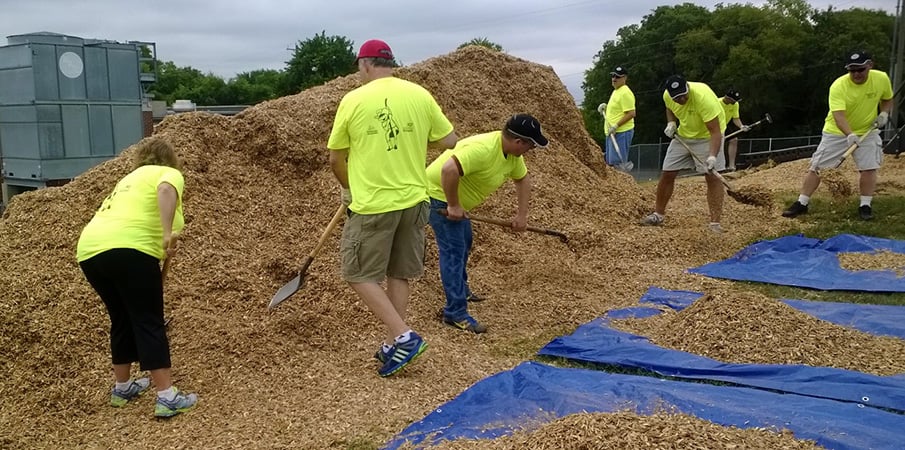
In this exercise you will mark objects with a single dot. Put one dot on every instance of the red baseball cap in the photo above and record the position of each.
(375, 48)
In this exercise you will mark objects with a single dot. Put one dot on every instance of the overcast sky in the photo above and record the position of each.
(227, 37)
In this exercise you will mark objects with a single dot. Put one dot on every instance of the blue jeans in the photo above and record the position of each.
(454, 238)
(625, 141)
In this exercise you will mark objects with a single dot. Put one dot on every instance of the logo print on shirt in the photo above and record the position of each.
(390, 128)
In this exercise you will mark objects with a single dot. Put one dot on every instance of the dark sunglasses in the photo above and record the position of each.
(857, 70)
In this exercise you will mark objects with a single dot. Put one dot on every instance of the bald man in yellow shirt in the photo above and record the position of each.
(854, 100)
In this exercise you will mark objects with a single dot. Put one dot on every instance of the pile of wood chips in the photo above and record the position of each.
(628, 431)
(882, 260)
(259, 193)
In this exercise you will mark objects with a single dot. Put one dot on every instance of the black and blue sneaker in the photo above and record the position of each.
(403, 354)
(382, 355)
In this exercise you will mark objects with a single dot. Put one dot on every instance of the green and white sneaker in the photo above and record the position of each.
(119, 397)
(180, 404)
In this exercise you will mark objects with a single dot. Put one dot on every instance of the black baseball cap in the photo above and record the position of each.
(527, 127)
(619, 71)
(676, 86)
(857, 58)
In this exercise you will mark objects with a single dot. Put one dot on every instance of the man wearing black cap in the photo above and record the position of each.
(619, 117)
(854, 99)
(461, 179)
(378, 150)
(700, 127)
(730, 109)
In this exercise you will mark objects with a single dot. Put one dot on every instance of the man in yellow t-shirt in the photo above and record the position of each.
(461, 179)
(701, 122)
(619, 118)
(854, 100)
(729, 102)
(378, 151)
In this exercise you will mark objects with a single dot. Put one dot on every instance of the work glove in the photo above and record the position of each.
(746, 128)
(852, 139)
(710, 162)
(601, 108)
(670, 130)
(611, 130)
(346, 196)
(882, 119)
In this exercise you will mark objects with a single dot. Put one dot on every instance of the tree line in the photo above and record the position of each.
(782, 57)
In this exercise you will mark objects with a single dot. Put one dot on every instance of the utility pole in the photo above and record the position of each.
(898, 65)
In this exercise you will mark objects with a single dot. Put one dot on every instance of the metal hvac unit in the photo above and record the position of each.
(66, 104)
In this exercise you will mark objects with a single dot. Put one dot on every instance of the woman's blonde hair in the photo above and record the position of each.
(158, 152)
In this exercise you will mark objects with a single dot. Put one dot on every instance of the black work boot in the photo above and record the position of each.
(795, 210)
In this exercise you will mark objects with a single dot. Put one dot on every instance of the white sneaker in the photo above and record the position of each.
(653, 218)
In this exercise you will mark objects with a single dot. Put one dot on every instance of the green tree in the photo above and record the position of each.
(483, 42)
(318, 60)
(253, 87)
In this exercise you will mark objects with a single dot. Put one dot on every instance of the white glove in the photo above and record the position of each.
(345, 196)
(710, 162)
(746, 128)
(670, 130)
(611, 130)
(882, 119)
(601, 108)
(852, 139)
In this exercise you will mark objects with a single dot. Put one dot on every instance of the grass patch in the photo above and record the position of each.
(827, 218)
(526, 347)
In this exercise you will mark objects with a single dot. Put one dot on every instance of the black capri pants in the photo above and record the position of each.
(129, 283)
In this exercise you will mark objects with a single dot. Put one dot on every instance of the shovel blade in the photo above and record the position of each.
(286, 291)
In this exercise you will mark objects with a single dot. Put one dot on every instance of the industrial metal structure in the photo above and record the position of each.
(67, 104)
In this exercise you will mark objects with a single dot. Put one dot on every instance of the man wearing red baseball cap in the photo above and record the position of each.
(378, 152)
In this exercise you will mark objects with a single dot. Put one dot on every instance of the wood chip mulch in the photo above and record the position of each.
(259, 192)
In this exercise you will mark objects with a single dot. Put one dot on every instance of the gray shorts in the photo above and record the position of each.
(677, 157)
(867, 156)
(391, 244)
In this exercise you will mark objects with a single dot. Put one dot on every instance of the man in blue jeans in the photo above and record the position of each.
(461, 179)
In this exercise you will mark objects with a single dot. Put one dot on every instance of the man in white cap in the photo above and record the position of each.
(701, 124)
(461, 179)
(378, 151)
(854, 99)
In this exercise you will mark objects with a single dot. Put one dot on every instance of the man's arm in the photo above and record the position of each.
(626, 116)
(339, 165)
(449, 180)
(716, 135)
(523, 192)
(447, 142)
(842, 122)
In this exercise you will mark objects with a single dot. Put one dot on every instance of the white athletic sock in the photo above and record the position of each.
(386, 348)
(123, 386)
(804, 199)
(865, 199)
(404, 337)
(167, 394)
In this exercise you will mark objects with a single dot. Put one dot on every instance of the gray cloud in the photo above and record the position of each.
(227, 37)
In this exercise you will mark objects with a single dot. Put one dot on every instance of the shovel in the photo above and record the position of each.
(851, 149)
(755, 198)
(293, 286)
(625, 166)
(767, 118)
(562, 237)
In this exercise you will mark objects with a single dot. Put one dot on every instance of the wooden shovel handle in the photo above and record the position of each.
(507, 224)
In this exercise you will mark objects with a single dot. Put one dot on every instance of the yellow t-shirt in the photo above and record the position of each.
(484, 165)
(129, 217)
(386, 125)
(621, 100)
(702, 106)
(859, 101)
(730, 111)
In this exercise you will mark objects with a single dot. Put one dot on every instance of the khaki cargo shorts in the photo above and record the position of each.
(391, 244)
(867, 156)
(677, 157)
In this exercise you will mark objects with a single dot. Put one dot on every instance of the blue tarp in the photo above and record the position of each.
(810, 263)
(881, 320)
(597, 342)
(533, 393)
